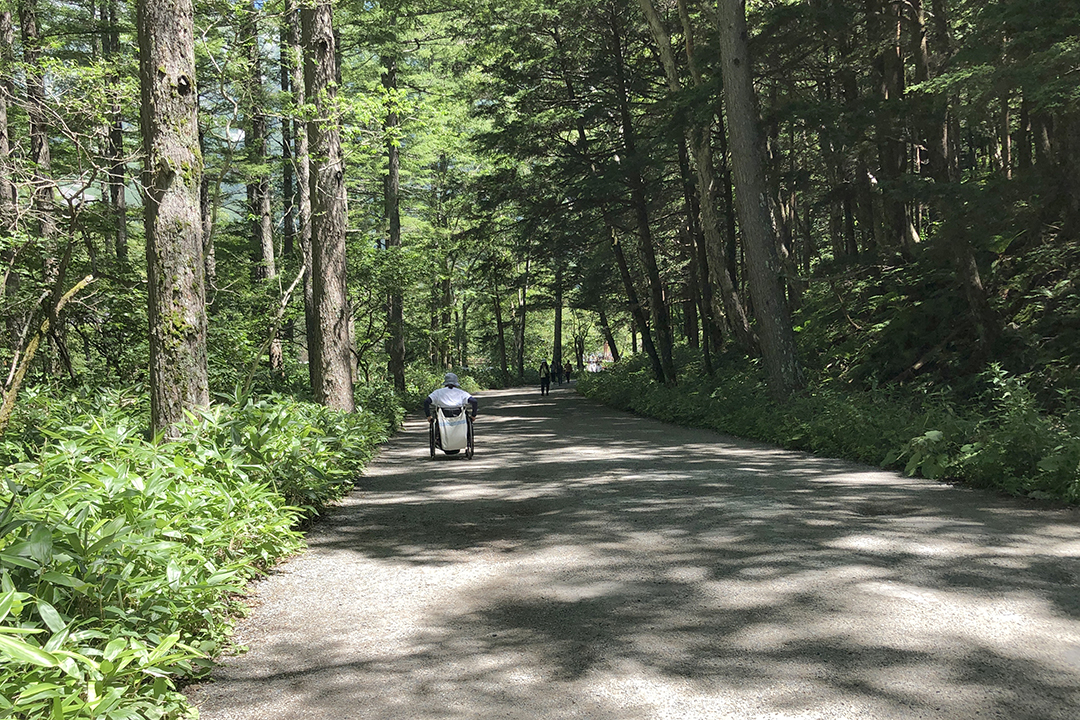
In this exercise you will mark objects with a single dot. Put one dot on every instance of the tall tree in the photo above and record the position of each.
(658, 307)
(392, 195)
(172, 179)
(752, 200)
(301, 166)
(699, 142)
(8, 196)
(332, 348)
(256, 140)
(42, 190)
(117, 169)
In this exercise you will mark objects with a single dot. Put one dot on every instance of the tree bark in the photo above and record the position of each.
(766, 286)
(40, 157)
(332, 347)
(944, 170)
(7, 95)
(496, 303)
(172, 179)
(523, 310)
(637, 312)
(884, 19)
(699, 141)
(115, 144)
(396, 301)
(658, 308)
(301, 162)
(556, 343)
(609, 337)
(257, 140)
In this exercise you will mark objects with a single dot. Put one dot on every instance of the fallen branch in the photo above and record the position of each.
(275, 327)
(31, 349)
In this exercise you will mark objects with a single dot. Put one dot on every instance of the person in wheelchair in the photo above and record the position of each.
(451, 399)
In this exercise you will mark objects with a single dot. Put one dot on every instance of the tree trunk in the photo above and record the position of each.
(638, 199)
(172, 178)
(262, 228)
(556, 342)
(609, 337)
(766, 287)
(504, 366)
(7, 95)
(206, 211)
(396, 322)
(115, 144)
(302, 169)
(288, 198)
(884, 20)
(40, 158)
(1004, 134)
(8, 194)
(944, 171)
(523, 308)
(640, 319)
(699, 140)
(332, 347)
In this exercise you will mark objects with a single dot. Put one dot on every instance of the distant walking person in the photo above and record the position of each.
(558, 372)
(568, 369)
(545, 378)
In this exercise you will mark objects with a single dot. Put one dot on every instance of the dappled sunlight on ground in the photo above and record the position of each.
(591, 564)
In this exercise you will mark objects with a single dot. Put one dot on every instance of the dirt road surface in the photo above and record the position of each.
(591, 564)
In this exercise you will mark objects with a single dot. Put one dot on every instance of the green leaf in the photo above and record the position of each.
(39, 688)
(59, 578)
(172, 573)
(7, 600)
(114, 648)
(41, 543)
(18, 651)
(18, 561)
(51, 617)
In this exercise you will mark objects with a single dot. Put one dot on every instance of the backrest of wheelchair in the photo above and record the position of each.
(451, 412)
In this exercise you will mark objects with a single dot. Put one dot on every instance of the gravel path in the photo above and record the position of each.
(591, 564)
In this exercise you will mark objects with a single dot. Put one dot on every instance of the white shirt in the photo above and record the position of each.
(449, 397)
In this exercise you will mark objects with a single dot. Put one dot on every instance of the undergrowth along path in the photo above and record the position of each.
(591, 564)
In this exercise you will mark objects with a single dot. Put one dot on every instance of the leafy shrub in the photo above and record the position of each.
(120, 560)
(307, 453)
(1005, 441)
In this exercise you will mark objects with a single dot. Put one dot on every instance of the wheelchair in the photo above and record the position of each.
(451, 432)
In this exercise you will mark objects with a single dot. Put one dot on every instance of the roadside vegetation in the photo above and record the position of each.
(876, 395)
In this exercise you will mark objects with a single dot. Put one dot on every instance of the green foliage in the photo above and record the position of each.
(1004, 441)
(120, 559)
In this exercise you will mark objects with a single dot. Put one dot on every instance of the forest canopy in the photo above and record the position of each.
(240, 239)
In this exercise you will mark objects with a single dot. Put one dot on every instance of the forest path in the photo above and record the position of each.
(592, 564)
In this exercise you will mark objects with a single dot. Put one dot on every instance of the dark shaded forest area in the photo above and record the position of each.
(239, 240)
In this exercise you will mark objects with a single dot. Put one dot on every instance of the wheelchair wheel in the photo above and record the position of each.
(469, 442)
(431, 438)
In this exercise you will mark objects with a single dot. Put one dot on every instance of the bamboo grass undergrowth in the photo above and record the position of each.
(122, 561)
(1005, 440)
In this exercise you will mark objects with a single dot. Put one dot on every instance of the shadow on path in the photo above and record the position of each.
(588, 563)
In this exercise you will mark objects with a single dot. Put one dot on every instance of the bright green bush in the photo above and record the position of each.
(120, 560)
(1005, 440)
